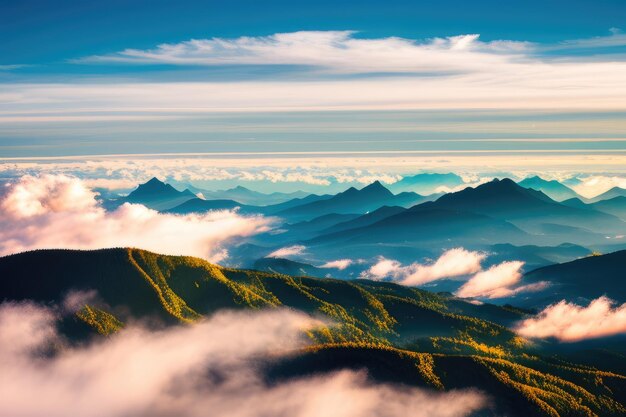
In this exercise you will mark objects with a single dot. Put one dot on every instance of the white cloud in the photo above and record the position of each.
(338, 51)
(340, 264)
(496, 282)
(187, 370)
(452, 263)
(61, 212)
(287, 251)
(593, 185)
(616, 38)
(571, 322)
(463, 73)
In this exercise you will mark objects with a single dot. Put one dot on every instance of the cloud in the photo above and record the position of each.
(452, 263)
(340, 264)
(570, 322)
(593, 185)
(496, 282)
(287, 251)
(187, 370)
(337, 51)
(53, 211)
(616, 38)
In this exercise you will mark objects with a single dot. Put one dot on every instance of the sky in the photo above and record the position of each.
(445, 78)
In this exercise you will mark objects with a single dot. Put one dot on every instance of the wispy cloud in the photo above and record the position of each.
(615, 38)
(339, 264)
(336, 51)
(187, 370)
(570, 322)
(287, 251)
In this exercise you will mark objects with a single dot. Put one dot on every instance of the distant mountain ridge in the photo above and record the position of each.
(427, 183)
(368, 198)
(157, 195)
(553, 189)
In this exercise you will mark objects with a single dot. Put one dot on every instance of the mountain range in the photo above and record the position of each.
(398, 334)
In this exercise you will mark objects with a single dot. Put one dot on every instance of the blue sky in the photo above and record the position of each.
(83, 77)
(38, 32)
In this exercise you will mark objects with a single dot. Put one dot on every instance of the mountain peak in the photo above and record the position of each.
(376, 187)
(154, 181)
(155, 187)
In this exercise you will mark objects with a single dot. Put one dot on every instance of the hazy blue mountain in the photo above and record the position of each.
(615, 206)
(612, 193)
(198, 205)
(426, 184)
(576, 202)
(289, 267)
(249, 197)
(295, 202)
(352, 200)
(537, 256)
(553, 189)
(156, 195)
(422, 225)
(365, 219)
(321, 223)
(528, 208)
(581, 280)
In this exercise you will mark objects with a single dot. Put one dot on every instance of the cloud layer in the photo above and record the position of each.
(570, 322)
(53, 211)
(187, 370)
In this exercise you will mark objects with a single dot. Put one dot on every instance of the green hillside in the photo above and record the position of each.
(398, 333)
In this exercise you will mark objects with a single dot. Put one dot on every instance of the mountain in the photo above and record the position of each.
(319, 224)
(157, 195)
(615, 206)
(425, 226)
(527, 208)
(289, 267)
(535, 256)
(249, 197)
(198, 205)
(612, 193)
(364, 220)
(553, 189)
(352, 200)
(398, 334)
(585, 279)
(426, 184)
